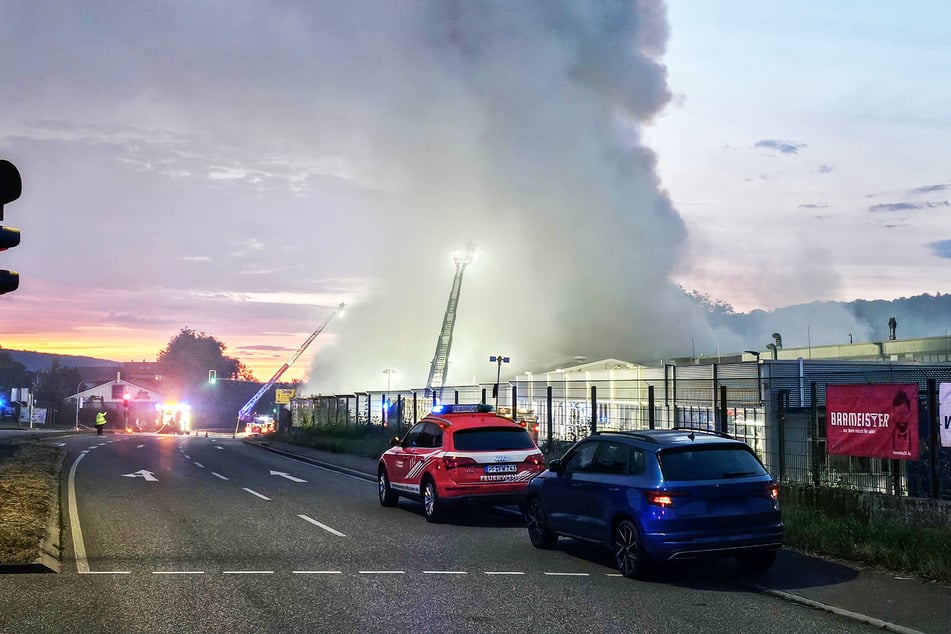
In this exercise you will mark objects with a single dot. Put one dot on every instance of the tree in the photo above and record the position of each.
(53, 386)
(189, 355)
(12, 373)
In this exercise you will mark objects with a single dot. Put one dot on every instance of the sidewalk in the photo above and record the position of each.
(889, 602)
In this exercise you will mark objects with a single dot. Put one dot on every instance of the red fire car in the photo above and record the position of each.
(459, 453)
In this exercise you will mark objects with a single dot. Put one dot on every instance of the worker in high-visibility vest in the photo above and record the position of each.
(100, 422)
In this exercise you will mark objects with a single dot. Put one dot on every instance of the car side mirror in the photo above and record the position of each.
(555, 465)
(395, 441)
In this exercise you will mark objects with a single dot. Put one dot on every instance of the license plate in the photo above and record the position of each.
(501, 468)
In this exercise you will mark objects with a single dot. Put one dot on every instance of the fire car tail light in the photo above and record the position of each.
(663, 498)
(536, 459)
(454, 462)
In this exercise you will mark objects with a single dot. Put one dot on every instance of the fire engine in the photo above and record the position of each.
(525, 417)
(173, 418)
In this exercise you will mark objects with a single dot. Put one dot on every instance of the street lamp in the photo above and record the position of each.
(389, 372)
(498, 359)
(759, 377)
(79, 402)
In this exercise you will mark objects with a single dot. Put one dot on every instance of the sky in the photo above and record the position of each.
(239, 168)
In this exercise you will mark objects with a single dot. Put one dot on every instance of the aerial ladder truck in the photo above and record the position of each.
(245, 414)
(440, 363)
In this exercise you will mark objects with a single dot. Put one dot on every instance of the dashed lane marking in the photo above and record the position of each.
(178, 572)
(317, 572)
(199, 465)
(381, 572)
(567, 574)
(256, 494)
(323, 526)
(503, 572)
(247, 572)
(109, 572)
(218, 475)
(445, 572)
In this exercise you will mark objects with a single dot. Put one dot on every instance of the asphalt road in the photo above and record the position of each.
(195, 534)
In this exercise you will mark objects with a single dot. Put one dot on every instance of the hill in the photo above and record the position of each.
(37, 361)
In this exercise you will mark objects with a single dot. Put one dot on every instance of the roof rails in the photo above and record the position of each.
(721, 434)
(645, 435)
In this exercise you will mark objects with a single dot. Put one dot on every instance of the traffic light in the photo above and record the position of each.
(212, 376)
(10, 188)
(125, 400)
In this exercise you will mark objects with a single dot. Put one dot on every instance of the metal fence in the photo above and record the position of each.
(776, 407)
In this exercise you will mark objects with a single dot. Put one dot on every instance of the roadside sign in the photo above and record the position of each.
(284, 396)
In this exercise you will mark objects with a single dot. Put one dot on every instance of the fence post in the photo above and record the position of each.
(816, 463)
(934, 421)
(483, 396)
(650, 407)
(781, 406)
(514, 402)
(457, 397)
(724, 426)
(415, 409)
(594, 409)
(551, 417)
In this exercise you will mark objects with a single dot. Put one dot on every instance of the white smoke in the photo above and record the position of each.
(514, 125)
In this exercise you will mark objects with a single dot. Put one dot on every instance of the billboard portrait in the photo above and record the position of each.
(944, 413)
(875, 420)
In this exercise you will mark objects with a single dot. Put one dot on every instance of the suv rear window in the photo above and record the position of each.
(492, 439)
(709, 463)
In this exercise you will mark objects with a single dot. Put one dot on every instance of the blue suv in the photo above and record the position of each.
(659, 495)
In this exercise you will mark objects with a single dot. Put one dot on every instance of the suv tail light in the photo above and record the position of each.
(773, 489)
(536, 459)
(663, 499)
(454, 462)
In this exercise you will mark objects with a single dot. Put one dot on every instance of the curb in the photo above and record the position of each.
(855, 616)
(356, 473)
(49, 558)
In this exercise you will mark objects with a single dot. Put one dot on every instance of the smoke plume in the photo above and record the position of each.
(515, 125)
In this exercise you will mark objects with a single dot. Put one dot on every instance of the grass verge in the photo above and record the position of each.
(29, 489)
(919, 551)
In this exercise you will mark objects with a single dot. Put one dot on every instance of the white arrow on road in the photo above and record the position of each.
(142, 473)
(288, 476)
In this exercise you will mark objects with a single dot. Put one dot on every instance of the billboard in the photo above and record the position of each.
(873, 420)
(944, 413)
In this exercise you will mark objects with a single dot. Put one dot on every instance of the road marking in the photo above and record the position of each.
(139, 446)
(567, 574)
(503, 572)
(263, 497)
(82, 564)
(217, 446)
(316, 572)
(247, 572)
(178, 572)
(218, 475)
(288, 476)
(323, 526)
(108, 572)
(58, 444)
(199, 465)
(187, 457)
(445, 572)
(614, 574)
(141, 473)
(381, 572)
